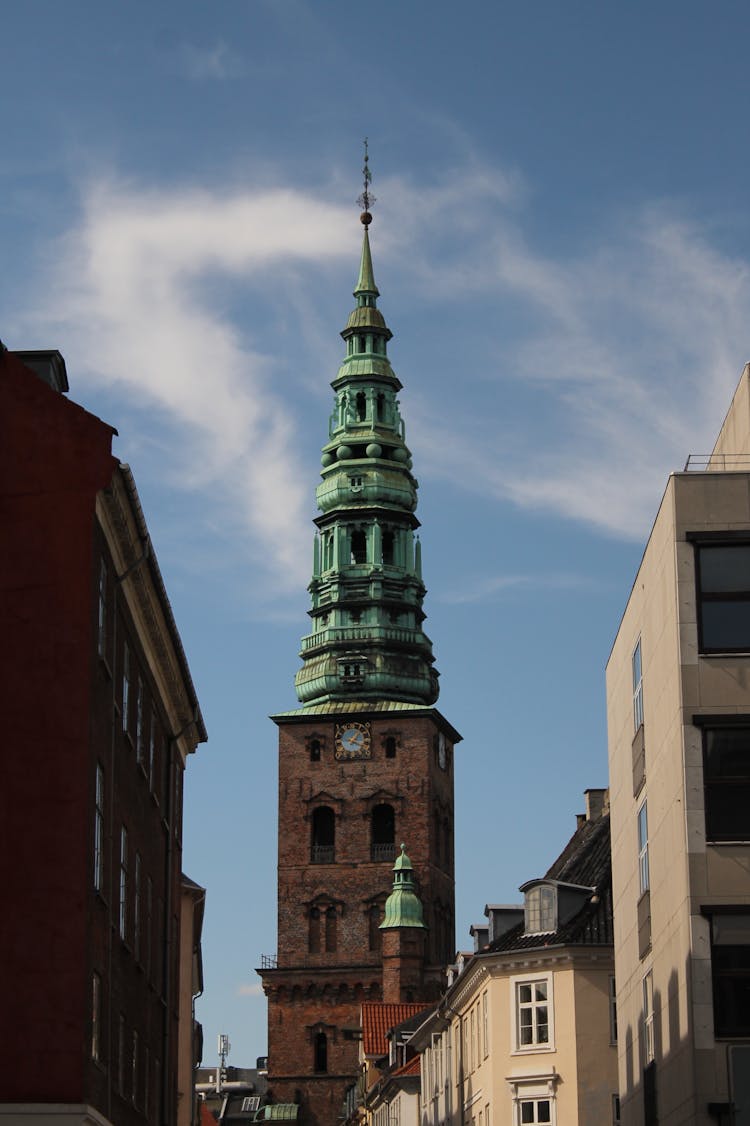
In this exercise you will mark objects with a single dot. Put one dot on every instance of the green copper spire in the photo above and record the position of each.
(403, 907)
(366, 642)
(366, 280)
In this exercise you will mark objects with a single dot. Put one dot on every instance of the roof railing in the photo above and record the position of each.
(718, 463)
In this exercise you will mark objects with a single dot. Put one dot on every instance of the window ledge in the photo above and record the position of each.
(534, 1049)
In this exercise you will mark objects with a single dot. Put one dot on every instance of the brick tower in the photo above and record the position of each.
(367, 761)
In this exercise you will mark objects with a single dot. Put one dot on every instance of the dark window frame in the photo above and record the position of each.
(730, 976)
(718, 788)
(706, 541)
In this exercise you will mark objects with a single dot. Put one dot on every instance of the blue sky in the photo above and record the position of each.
(561, 241)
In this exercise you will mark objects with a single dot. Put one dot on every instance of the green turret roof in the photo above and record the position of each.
(366, 643)
(403, 907)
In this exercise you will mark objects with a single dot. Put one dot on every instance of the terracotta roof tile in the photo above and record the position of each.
(378, 1017)
(411, 1067)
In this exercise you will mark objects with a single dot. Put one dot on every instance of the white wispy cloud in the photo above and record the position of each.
(250, 989)
(626, 358)
(622, 360)
(132, 294)
(480, 588)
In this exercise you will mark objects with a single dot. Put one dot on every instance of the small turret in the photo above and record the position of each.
(404, 934)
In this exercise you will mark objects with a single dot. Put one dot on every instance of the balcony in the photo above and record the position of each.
(382, 852)
(718, 463)
(322, 854)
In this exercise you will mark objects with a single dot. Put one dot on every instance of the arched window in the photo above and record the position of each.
(390, 747)
(359, 546)
(388, 542)
(328, 551)
(380, 407)
(360, 343)
(331, 930)
(313, 938)
(315, 750)
(383, 832)
(323, 835)
(361, 406)
(320, 1062)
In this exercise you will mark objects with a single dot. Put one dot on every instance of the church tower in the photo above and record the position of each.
(366, 762)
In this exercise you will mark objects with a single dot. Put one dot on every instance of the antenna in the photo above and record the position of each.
(366, 199)
(224, 1048)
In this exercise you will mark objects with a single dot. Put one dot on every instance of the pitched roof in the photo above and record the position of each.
(411, 1067)
(585, 861)
(378, 1018)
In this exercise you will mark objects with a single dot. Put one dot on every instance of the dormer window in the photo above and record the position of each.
(540, 910)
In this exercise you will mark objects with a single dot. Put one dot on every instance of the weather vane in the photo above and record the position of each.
(366, 199)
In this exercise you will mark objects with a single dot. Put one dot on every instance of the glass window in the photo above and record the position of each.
(612, 1011)
(96, 1017)
(137, 907)
(102, 610)
(99, 830)
(321, 1052)
(723, 582)
(532, 1014)
(643, 872)
(140, 745)
(535, 1110)
(730, 967)
(125, 687)
(726, 779)
(123, 916)
(648, 1018)
(540, 909)
(637, 687)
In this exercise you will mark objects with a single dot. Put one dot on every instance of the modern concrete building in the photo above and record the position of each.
(366, 761)
(526, 1032)
(100, 715)
(678, 708)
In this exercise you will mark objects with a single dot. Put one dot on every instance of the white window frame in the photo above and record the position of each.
(140, 747)
(648, 1018)
(540, 909)
(515, 1011)
(137, 920)
(637, 667)
(485, 1025)
(644, 875)
(534, 1088)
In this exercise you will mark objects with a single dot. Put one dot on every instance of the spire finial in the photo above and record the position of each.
(366, 199)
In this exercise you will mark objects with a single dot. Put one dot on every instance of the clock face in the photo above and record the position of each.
(352, 740)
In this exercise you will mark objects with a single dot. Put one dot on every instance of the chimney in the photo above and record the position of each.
(597, 804)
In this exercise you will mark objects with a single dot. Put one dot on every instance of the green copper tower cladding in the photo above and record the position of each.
(367, 641)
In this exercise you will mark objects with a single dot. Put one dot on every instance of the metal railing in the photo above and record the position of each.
(380, 852)
(269, 962)
(322, 854)
(718, 463)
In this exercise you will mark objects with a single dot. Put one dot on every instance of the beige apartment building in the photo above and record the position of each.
(526, 1032)
(678, 706)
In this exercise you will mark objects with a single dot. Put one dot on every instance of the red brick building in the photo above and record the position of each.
(100, 715)
(367, 761)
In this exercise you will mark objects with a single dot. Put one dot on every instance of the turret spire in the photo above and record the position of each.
(367, 641)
